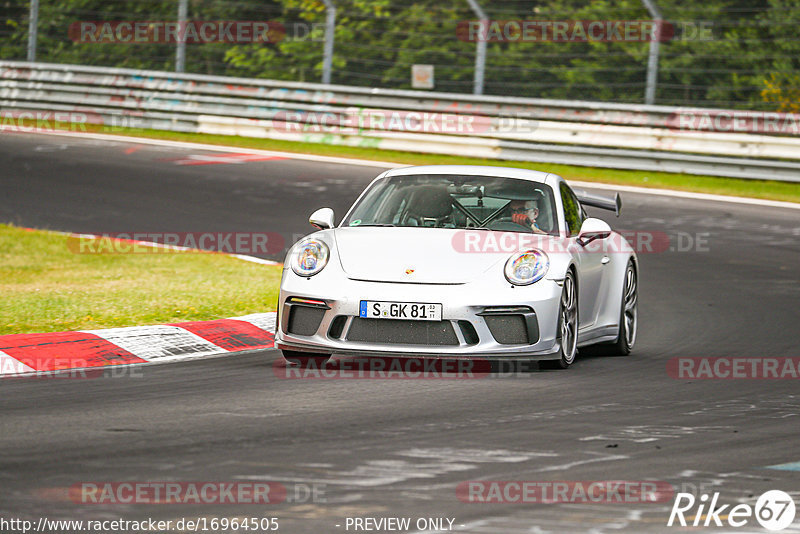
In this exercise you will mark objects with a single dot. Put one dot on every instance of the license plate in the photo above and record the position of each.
(412, 311)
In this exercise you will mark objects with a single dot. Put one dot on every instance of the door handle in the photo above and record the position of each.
(605, 260)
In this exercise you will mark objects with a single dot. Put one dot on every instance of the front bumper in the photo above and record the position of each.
(327, 330)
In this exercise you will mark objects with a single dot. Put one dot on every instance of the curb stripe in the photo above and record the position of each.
(22, 354)
(231, 334)
(158, 341)
(12, 366)
(264, 321)
(65, 350)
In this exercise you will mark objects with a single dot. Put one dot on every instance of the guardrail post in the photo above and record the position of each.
(330, 26)
(33, 25)
(480, 47)
(652, 58)
(180, 51)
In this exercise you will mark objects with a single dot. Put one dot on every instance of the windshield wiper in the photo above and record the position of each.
(373, 224)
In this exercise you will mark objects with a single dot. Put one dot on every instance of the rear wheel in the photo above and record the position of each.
(568, 322)
(305, 359)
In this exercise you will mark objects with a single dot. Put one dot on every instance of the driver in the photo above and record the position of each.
(524, 213)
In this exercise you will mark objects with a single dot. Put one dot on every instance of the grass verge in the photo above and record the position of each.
(771, 190)
(46, 287)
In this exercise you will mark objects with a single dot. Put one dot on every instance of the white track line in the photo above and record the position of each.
(688, 194)
(221, 148)
(388, 165)
(243, 257)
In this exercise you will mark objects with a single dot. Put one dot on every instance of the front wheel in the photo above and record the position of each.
(568, 322)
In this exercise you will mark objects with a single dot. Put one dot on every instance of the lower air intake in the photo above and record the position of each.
(402, 332)
(304, 320)
(508, 329)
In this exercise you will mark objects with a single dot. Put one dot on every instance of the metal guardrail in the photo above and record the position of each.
(626, 136)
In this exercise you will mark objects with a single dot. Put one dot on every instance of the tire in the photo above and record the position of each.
(305, 359)
(628, 318)
(568, 322)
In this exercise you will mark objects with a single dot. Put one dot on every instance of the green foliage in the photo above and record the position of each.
(727, 53)
(299, 55)
(783, 91)
(13, 29)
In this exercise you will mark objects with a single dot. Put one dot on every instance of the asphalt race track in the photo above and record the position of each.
(399, 448)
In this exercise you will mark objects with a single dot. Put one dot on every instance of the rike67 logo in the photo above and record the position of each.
(774, 510)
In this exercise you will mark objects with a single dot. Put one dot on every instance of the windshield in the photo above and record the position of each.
(455, 201)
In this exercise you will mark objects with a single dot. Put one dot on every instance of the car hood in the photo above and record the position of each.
(410, 255)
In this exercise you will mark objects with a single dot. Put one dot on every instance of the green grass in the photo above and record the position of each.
(46, 287)
(772, 190)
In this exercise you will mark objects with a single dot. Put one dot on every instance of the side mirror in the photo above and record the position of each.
(322, 218)
(592, 229)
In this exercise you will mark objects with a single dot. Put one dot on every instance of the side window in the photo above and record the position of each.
(572, 210)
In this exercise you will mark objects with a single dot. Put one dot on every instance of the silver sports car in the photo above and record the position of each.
(453, 261)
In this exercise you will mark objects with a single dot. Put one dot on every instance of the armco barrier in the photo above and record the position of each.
(627, 136)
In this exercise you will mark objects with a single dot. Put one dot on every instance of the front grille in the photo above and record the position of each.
(304, 320)
(508, 329)
(402, 332)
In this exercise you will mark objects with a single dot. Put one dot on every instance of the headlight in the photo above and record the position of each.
(524, 268)
(310, 257)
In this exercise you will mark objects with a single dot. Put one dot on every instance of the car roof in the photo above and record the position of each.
(472, 170)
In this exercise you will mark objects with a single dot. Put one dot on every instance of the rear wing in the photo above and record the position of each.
(612, 202)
